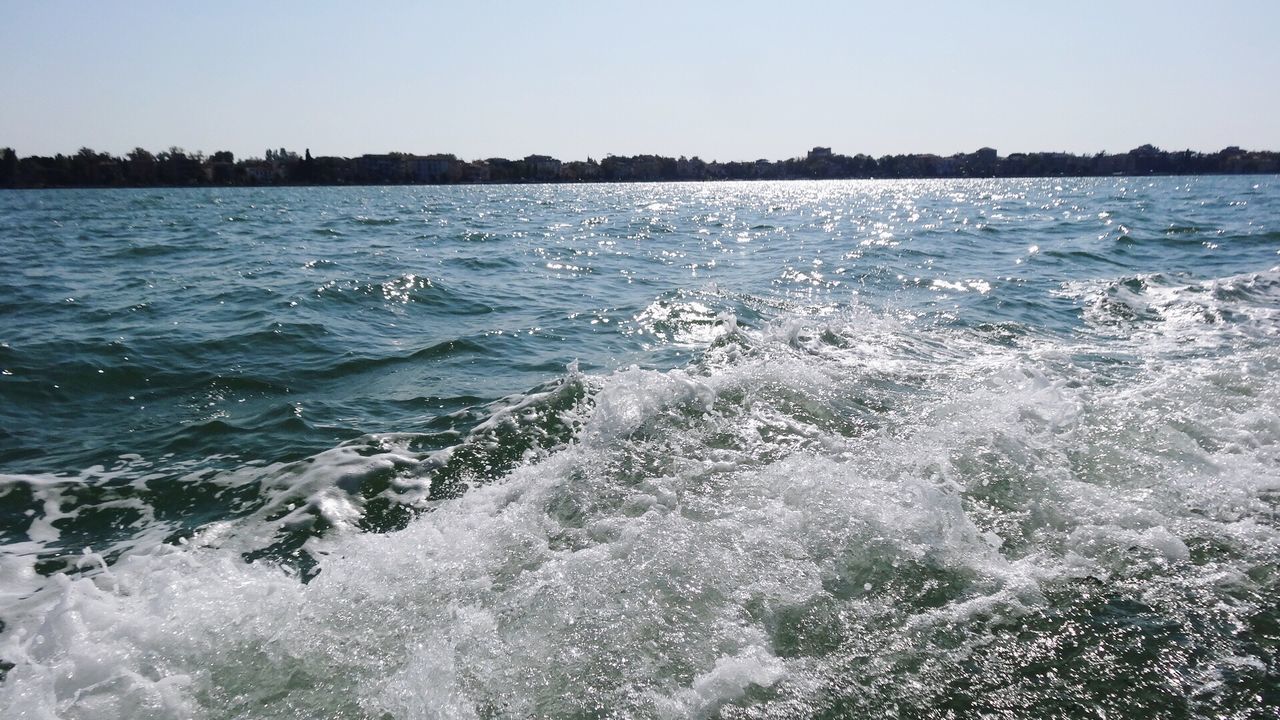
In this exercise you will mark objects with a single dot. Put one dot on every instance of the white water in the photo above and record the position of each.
(840, 502)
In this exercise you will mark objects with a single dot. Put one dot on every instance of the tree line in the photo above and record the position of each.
(177, 167)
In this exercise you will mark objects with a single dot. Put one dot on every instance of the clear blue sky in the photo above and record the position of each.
(727, 81)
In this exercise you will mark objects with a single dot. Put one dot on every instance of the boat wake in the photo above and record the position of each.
(836, 512)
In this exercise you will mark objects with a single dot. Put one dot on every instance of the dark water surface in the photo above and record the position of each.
(807, 449)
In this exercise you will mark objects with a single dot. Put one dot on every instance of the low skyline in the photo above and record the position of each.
(576, 80)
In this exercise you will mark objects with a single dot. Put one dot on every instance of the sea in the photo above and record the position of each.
(998, 448)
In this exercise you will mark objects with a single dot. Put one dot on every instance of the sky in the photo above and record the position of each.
(719, 80)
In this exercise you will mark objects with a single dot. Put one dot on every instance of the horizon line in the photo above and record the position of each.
(593, 158)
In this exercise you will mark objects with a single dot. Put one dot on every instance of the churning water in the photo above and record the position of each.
(765, 450)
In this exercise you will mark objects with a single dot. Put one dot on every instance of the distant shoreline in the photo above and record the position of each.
(583, 183)
(178, 168)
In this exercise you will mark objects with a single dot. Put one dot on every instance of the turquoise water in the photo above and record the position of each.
(801, 449)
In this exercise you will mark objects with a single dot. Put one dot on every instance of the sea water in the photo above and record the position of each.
(1002, 448)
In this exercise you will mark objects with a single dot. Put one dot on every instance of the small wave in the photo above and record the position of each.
(300, 339)
(1084, 257)
(444, 349)
(1267, 237)
(151, 250)
(401, 290)
(484, 263)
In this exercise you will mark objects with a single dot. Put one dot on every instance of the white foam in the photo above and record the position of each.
(671, 557)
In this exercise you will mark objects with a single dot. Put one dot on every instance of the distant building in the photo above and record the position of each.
(382, 169)
(579, 171)
(819, 153)
(542, 167)
(259, 172)
(432, 168)
(331, 169)
(473, 172)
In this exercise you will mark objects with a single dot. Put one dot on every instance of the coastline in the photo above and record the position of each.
(177, 168)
